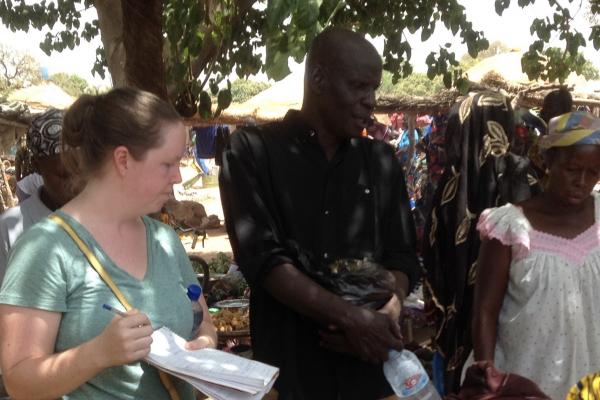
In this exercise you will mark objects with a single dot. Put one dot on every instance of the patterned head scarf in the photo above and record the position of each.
(572, 129)
(43, 135)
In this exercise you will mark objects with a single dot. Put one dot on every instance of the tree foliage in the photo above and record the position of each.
(70, 83)
(416, 84)
(17, 69)
(495, 47)
(564, 63)
(208, 40)
(244, 89)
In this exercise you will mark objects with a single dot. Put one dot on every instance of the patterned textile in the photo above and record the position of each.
(480, 173)
(43, 135)
(588, 388)
(574, 128)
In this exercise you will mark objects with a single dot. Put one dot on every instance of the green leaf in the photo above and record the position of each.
(462, 85)
(425, 34)
(224, 99)
(447, 79)
(501, 5)
(307, 14)
(277, 65)
(205, 105)
(214, 87)
(277, 11)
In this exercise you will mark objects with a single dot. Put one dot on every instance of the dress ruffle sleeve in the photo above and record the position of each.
(508, 225)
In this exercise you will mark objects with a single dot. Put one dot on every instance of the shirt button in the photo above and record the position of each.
(326, 212)
(312, 133)
(325, 255)
(367, 191)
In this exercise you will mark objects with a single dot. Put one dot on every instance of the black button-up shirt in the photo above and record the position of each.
(285, 202)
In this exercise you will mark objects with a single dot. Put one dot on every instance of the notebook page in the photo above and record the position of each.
(168, 351)
(218, 392)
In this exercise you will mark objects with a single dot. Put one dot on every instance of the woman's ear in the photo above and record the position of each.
(121, 159)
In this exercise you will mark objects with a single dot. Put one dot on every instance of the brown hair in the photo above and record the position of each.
(94, 125)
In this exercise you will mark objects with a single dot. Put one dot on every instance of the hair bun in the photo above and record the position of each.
(76, 119)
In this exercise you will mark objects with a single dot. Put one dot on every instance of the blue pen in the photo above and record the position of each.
(120, 313)
(113, 310)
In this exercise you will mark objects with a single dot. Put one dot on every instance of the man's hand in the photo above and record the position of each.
(393, 308)
(368, 334)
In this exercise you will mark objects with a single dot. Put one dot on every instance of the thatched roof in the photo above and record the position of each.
(43, 96)
(23, 105)
(272, 103)
(507, 65)
(505, 71)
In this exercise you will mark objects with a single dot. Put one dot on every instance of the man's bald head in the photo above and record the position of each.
(343, 72)
(335, 47)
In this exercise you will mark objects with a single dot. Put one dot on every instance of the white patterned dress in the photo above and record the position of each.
(549, 324)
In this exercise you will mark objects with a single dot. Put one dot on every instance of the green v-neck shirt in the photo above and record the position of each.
(47, 271)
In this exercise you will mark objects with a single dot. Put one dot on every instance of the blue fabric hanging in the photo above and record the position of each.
(205, 141)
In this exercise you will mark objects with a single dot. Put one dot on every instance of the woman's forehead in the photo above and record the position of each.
(584, 154)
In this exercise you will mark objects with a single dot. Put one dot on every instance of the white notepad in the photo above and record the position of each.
(215, 373)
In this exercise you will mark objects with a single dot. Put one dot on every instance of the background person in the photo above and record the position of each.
(539, 268)
(557, 102)
(55, 339)
(43, 143)
(301, 193)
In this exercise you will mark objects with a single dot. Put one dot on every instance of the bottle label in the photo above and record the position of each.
(413, 384)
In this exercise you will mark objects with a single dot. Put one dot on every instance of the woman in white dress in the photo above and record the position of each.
(536, 308)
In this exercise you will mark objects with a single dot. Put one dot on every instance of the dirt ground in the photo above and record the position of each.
(216, 239)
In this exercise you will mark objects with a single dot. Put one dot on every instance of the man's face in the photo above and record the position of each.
(349, 96)
(57, 182)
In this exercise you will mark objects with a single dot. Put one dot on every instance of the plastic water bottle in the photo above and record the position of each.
(407, 377)
(194, 292)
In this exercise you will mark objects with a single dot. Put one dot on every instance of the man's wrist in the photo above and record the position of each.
(343, 318)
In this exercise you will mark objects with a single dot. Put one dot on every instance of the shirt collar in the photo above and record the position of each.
(300, 128)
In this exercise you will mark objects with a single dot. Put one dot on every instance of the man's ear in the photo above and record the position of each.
(121, 159)
(318, 79)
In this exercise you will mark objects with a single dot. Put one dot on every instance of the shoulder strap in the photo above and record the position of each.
(164, 377)
(92, 259)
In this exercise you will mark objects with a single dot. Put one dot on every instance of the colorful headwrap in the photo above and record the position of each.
(43, 135)
(571, 129)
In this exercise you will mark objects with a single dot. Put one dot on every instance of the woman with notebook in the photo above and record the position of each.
(100, 248)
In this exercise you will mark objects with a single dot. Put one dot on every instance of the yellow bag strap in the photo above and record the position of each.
(93, 260)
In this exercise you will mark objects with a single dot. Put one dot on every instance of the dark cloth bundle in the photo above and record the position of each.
(361, 282)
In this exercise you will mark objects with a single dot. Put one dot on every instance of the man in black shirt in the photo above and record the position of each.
(309, 190)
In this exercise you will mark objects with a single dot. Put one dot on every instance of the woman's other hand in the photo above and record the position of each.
(207, 337)
(125, 339)
(201, 342)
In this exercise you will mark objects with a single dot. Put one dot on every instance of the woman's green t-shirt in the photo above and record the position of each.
(47, 271)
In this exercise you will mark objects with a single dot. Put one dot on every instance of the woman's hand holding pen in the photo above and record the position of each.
(125, 339)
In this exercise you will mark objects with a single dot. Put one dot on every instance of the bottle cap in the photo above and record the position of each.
(194, 292)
